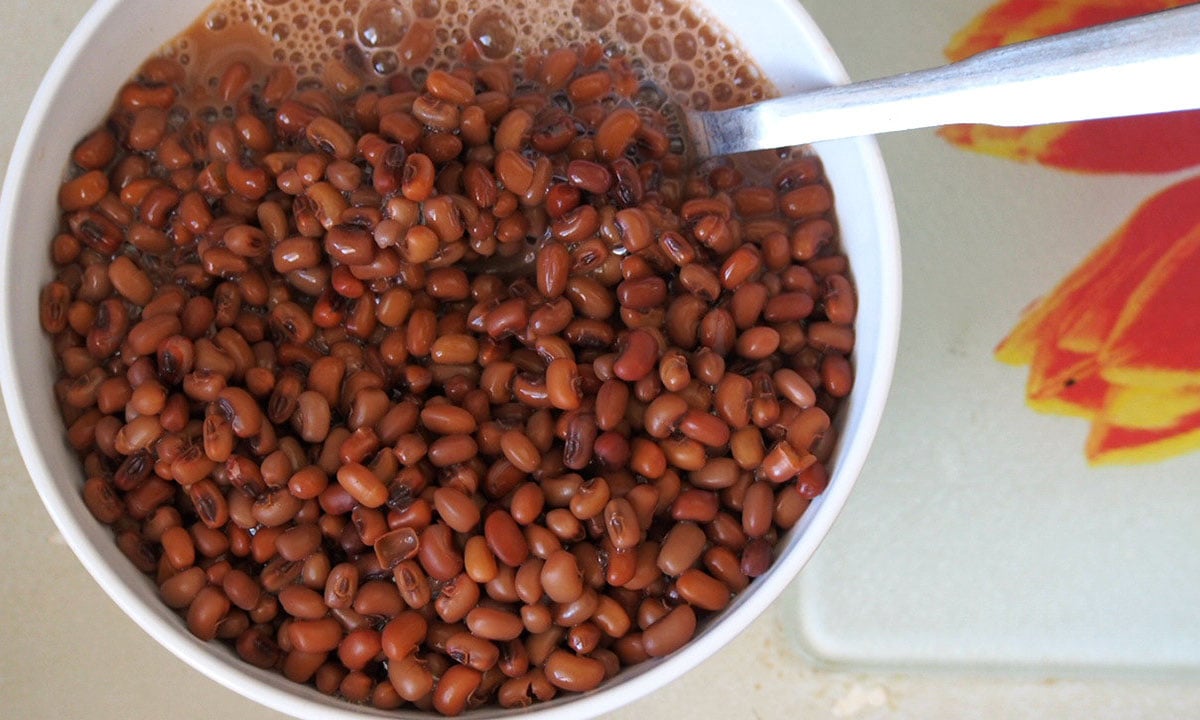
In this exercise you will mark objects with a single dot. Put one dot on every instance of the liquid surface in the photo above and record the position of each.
(671, 44)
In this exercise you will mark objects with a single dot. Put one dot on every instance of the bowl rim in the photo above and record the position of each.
(240, 679)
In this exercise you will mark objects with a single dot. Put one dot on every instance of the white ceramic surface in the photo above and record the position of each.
(108, 45)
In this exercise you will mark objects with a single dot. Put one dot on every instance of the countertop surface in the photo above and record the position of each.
(66, 651)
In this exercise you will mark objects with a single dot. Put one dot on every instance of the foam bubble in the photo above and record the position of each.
(493, 31)
(593, 15)
(381, 23)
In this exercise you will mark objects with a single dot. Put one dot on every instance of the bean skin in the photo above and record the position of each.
(638, 358)
(621, 523)
(206, 611)
(520, 450)
(454, 689)
(178, 591)
(316, 636)
(560, 577)
(575, 673)
(438, 554)
(505, 538)
(411, 678)
(671, 632)
(456, 509)
(494, 624)
(403, 634)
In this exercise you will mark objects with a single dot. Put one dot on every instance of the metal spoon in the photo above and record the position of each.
(1143, 65)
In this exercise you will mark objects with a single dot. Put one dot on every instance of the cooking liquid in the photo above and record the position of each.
(674, 48)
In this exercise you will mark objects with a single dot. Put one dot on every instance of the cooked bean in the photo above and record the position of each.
(576, 673)
(178, 591)
(527, 503)
(358, 648)
(478, 560)
(472, 651)
(784, 462)
(621, 523)
(312, 416)
(702, 590)
(378, 597)
(682, 548)
(206, 611)
(316, 636)
(520, 450)
(438, 554)
(492, 624)
(661, 418)
(671, 632)
(451, 450)
(362, 484)
(178, 548)
(638, 358)
(403, 634)
(704, 428)
(411, 677)
(562, 380)
(616, 133)
(758, 509)
(456, 509)
(561, 578)
(457, 598)
(301, 602)
(836, 375)
(756, 558)
(130, 280)
(758, 343)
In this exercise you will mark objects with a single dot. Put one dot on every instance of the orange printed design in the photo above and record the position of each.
(1118, 341)
(1147, 144)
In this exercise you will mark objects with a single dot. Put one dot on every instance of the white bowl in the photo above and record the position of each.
(103, 51)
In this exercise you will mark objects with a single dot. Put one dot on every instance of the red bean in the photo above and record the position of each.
(403, 634)
(456, 509)
(362, 485)
(704, 428)
(178, 591)
(206, 611)
(411, 677)
(301, 602)
(505, 538)
(358, 648)
(671, 632)
(758, 509)
(493, 624)
(454, 689)
(438, 553)
(316, 636)
(620, 520)
(520, 450)
(572, 672)
(561, 578)
(474, 652)
(638, 358)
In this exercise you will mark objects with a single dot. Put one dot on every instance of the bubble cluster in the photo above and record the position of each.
(677, 46)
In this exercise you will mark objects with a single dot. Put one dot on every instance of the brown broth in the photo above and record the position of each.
(671, 44)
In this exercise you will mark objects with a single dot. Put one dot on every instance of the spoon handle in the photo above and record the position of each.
(1143, 65)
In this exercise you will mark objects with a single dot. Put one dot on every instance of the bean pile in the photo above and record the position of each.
(461, 388)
